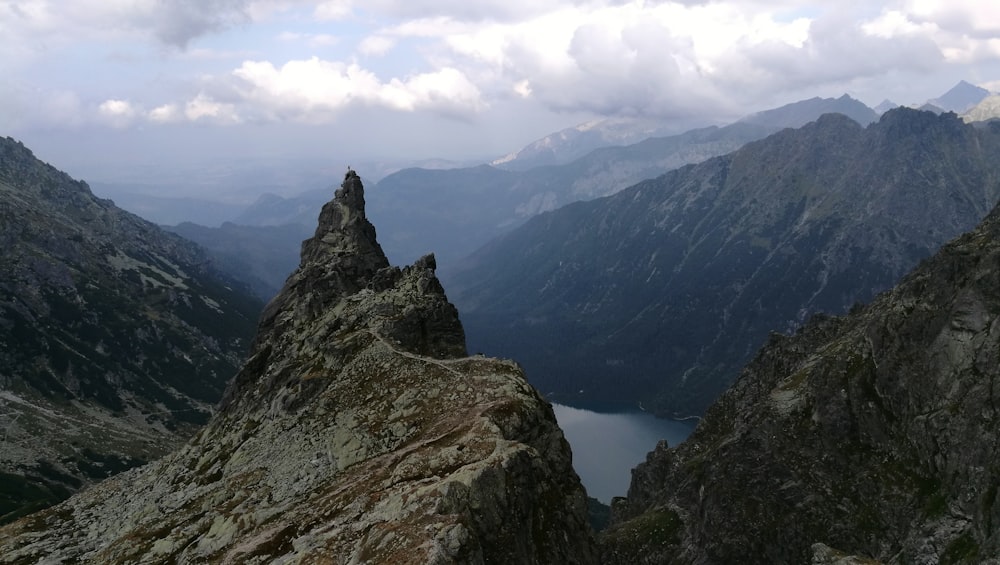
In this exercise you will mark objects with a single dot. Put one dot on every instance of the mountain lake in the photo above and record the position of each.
(608, 445)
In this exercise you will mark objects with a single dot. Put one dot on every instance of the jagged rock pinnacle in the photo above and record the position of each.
(344, 235)
(345, 281)
(341, 258)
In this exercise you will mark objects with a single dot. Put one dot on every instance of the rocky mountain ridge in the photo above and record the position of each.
(116, 338)
(455, 211)
(359, 431)
(862, 439)
(663, 291)
(569, 144)
(797, 114)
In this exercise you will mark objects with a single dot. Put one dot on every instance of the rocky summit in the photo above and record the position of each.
(358, 432)
(116, 338)
(867, 437)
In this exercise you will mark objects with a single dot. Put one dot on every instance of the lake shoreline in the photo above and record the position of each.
(608, 444)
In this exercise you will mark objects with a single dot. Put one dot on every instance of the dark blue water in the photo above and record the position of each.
(606, 446)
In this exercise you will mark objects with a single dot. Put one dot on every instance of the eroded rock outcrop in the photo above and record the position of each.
(358, 432)
(875, 434)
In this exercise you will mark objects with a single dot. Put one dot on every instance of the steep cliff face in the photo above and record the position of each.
(662, 292)
(875, 434)
(116, 338)
(357, 432)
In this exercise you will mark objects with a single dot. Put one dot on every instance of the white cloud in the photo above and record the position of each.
(315, 90)
(523, 88)
(447, 91)
(894, 23)
(323, 40)
(674, 59)
(331, 10)
(118, 113)
(629, 58)
(376, 45)
(978, 19)
(204, 108)
(457, 58)
(165, 114)
(312, 39)
(963, 31)
(299, 88)
(466, 11)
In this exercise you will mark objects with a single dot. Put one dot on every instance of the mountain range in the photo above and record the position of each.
(116, 338)
(454, 211)
(798, 114)
(357, 432)
(661, 292)
(567, 145)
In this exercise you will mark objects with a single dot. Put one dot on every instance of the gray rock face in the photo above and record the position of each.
(358, 432)
(875, 434)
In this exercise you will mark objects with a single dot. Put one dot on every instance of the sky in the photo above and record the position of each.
(99, 87)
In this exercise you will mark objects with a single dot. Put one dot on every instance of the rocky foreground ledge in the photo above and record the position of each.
(357, 432)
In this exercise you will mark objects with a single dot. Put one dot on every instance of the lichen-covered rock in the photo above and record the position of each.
(875, 434)
(357, 432)
(826, 555)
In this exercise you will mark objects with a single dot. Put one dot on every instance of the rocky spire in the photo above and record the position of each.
(340, 259)
(344, 237)
(344, 280)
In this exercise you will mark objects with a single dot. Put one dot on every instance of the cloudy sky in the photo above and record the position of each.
(95, 84)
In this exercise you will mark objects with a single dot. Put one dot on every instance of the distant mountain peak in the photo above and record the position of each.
(884, 106)
(797, 114)
(960, 98)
